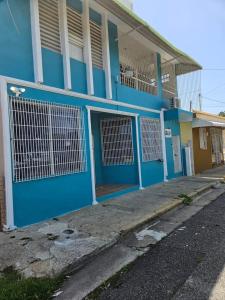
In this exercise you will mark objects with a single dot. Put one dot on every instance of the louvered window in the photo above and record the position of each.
(49, 24)
(75, 31)
(151, 139)
(96, 44)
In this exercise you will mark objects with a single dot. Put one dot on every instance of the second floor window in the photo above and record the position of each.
(49, 25)
(75, 30)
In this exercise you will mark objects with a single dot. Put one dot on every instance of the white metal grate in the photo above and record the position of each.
(96, 44)
(151, 139)
(49, 24)
(75, 32)
(47, 139)
(117, 141)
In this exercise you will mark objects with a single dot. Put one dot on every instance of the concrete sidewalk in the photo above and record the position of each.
(67, 243)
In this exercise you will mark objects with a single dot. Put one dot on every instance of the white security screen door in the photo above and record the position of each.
(176, 154)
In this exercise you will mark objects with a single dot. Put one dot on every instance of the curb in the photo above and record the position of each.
(171, 204)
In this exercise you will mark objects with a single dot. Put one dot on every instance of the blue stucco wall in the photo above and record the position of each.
(16, 59)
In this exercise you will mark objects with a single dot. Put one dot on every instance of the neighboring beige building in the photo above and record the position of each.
(208, 140)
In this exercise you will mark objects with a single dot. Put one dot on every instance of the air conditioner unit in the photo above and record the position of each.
(175, 103)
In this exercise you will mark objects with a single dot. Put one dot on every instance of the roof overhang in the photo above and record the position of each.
(184, 63)
(197, 123)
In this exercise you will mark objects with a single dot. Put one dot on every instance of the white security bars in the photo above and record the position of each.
(151, 139)
(47, 139)
(117, 141)
(49, 24)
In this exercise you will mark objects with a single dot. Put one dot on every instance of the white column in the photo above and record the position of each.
(106, 56)
(36, 41)
(87, 47)
(163, 144)
(65, 43)
(4, 109)
(138, 153)
(94, 202)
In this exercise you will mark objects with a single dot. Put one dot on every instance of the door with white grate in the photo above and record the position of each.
(117, 141)
(176, 154)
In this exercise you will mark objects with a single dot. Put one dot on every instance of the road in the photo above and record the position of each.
(188, 264)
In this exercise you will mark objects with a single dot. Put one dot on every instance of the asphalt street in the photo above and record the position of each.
(188, 264)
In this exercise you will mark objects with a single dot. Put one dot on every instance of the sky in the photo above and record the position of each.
(197, 27)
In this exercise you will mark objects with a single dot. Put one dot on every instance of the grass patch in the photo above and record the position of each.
(14, 286)
(186, 199)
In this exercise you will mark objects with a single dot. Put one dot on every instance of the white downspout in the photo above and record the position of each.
(165, 170)
(4, 109)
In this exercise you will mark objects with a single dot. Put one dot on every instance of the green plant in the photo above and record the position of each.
(14, 286)
(186, 199)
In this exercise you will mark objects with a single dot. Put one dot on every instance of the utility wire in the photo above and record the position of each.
(216, 69)
(211, 99)
(217, 87)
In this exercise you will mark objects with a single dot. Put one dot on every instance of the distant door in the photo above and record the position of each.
(176, 154)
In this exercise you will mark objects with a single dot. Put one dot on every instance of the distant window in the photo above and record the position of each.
(47, 139)
(203, 138)
(117, 142)
(151, 139)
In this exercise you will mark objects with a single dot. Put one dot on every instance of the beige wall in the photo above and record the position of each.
(187, 139)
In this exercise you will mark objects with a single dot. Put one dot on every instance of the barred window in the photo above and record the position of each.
(151, 139)
(47, 139)
(117, 141)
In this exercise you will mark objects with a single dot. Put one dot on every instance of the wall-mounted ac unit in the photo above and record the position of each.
(175, 103)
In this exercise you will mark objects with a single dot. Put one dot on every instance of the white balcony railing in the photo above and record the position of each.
(136, 80)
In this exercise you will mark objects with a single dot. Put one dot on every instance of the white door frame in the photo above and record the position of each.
(117, 112)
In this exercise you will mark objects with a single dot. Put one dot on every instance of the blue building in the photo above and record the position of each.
(86, 89)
